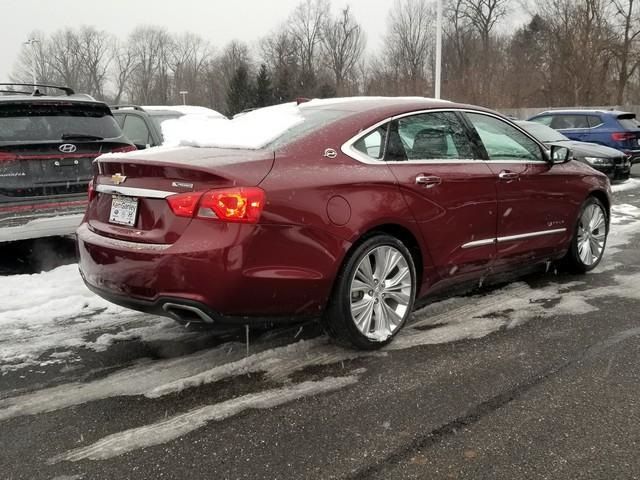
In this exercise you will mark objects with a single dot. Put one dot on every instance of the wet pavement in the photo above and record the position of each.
(532, 379)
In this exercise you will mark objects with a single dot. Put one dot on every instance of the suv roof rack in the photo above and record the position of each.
(67, 90)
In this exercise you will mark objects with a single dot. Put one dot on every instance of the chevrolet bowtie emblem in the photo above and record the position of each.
(118, 178)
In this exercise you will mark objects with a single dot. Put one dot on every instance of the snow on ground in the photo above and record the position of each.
(46, 317)
(630, 184)
(174, 427)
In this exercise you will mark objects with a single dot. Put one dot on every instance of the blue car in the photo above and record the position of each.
(612, 128)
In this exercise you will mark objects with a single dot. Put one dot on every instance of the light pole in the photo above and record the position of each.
(184, 94)
(438, 49)
(32, 42)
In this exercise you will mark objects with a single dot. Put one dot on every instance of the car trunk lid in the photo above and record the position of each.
(143, 181)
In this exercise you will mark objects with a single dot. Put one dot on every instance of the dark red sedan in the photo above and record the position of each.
(351, 213)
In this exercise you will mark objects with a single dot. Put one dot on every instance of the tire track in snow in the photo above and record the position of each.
(179, 425)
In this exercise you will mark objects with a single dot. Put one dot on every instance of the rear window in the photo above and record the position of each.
(628, 121)
(50, 122)
(313, 119)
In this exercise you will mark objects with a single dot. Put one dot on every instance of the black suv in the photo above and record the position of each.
(47, 146)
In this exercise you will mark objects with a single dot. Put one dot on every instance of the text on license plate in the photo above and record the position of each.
(123, 210)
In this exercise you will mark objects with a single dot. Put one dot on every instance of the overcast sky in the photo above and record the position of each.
(217, 20)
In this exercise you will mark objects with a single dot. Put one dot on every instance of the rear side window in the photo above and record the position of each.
(50, 122)
(503, 141)
(569, 121)
(594, 121)
(372, 144)
(136, 130)
(628, 122)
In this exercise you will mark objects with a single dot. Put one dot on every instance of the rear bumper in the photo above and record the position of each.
(233, 273)
(22, 221)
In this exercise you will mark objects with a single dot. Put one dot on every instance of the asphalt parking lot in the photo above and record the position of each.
(532, 379)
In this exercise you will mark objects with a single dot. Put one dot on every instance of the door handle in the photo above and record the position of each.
(508, 176)
(428, 181)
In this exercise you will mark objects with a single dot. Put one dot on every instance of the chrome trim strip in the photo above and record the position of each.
(524, 236)
(479, 243)
(512, 238)
(132, 191)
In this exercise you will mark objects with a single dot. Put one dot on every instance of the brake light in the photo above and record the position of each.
(91, 191)
(243, 204)
(125, 149)
(7, 157)
(622, 136)
(184, 204)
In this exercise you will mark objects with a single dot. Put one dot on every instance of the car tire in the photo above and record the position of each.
(373, 294)
(589, 237)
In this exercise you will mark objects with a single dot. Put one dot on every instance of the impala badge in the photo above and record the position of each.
(117, 179)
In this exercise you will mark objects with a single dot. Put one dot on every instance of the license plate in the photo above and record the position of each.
(123, 210)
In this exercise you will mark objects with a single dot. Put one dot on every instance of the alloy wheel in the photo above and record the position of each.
(592, 234)
(381, 291)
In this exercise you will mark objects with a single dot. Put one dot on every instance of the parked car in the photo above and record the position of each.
(47, 145)
(613, 163)
(357, 209)
(143, 125)
(611, 128)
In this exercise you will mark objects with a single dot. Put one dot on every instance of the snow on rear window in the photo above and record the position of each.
(252, 131)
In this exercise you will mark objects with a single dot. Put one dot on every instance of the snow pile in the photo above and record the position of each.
(252, 131)
(186, 110)
(630, 184)
(46, 317)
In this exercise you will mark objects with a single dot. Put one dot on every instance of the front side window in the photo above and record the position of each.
(429, 136)
(503, 141)
(546, 120)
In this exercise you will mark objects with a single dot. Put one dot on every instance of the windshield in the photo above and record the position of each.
(542, 132)
(34, 123)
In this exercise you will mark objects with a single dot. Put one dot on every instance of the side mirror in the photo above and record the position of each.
(560, 154)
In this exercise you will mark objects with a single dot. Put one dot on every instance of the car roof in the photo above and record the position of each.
(578, 111)
(386, 106)
(76, 98)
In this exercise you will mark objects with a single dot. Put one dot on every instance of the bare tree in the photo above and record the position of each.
(343, 43)
(306, 25)
(627, 24)
(409, 44)
(96, 50)
(149, 82)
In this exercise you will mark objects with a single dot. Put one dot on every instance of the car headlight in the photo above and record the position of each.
(603, 162)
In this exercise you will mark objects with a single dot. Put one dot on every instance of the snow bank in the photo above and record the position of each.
(186, 110)
(251, 131)
(630, 184)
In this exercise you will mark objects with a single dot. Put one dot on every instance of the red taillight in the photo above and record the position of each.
(7, 157)
(622, 136)
(127, 148)
(184, 204)
(242, 204)
(91, 191)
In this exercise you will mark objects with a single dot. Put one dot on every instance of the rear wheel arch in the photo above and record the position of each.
(406, 236)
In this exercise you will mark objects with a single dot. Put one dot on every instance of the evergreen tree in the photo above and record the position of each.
(239, 93)
(264, 90)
